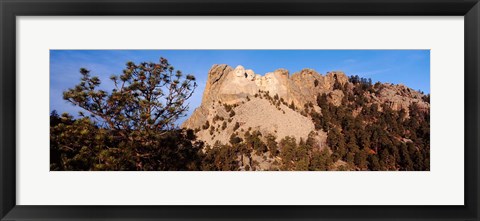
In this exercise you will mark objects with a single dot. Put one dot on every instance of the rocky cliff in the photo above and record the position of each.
(240, 100)
(359, 121)
(233, 86)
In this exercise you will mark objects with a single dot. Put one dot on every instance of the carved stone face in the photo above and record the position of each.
(269, 80)
(258, 80)
(250, 74)
(270, 83)
(239, 71)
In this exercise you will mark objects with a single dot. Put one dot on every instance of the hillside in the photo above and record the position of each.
(311, 121)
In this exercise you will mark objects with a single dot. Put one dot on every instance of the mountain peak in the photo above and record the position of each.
(277, 103)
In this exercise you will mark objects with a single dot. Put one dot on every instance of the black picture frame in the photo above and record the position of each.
(10, 9)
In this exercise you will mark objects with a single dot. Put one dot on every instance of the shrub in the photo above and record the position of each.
(206, 125)
(237, 125)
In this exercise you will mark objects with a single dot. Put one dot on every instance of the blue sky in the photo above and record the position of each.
(408, 67)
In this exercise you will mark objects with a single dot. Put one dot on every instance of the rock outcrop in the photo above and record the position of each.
(234, 85)
(233, 95)
(400, 97)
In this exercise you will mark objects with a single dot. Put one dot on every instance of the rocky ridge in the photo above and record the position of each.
(228, 86)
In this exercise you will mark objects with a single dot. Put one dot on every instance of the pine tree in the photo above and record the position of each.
(132, 127)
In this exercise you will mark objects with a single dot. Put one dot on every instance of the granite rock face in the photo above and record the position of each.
(400, 97)
(230, 85)
(241, 88)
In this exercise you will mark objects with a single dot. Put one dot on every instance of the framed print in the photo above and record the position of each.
(239, 110)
